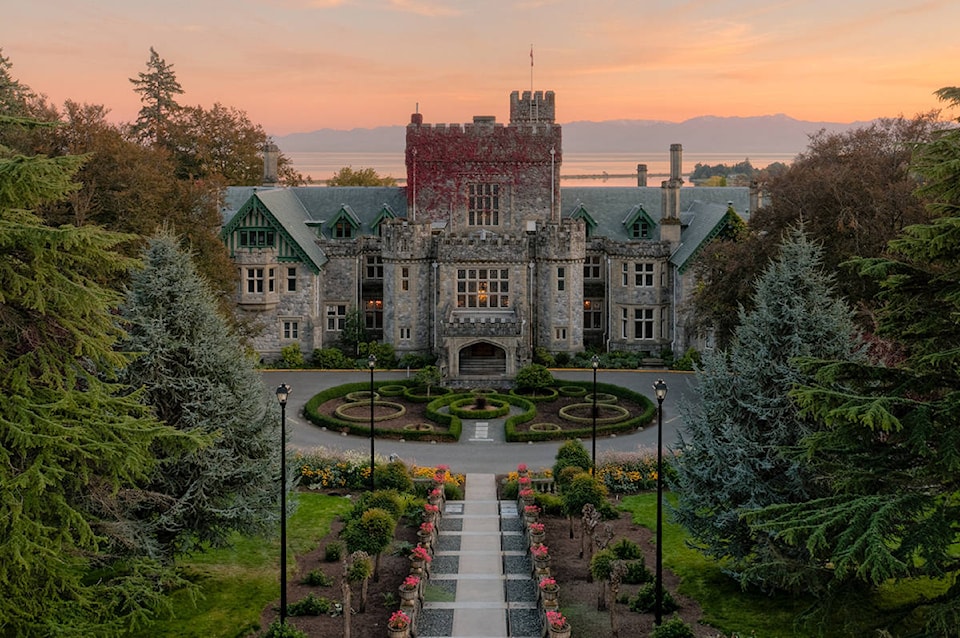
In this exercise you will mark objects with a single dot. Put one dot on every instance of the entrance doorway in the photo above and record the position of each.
(482, 360)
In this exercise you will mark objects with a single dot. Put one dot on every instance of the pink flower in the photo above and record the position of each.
(430, 507)
(547, 582)
(539, 550)
(526, 492)
(524, 480)
(556, 619)
(443, 468)
(419, 553)
(426, 527)
(410, 582)
(531, 509)
(522, 467)
(399, 620)
(536, 528)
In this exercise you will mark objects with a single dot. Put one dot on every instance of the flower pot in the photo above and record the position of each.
(395, 632)
(425, 539)
(560, 633)
(550, 594)
(537, 538)
(408, 594)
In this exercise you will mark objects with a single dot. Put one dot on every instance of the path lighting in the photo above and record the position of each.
(282, 392)
(595, 362)
(660, 387)
(371, 363)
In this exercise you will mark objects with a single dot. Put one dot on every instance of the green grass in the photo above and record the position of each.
(238, 582)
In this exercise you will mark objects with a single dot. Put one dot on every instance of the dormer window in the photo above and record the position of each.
(640, 230)
(638, 224)
(342, 230)
(257, 238)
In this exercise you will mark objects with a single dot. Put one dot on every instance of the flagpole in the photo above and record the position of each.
(531, 81)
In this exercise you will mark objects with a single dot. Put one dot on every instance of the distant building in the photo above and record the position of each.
(482, 256)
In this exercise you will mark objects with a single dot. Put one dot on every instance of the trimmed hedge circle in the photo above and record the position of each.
(572, 391)
(622, 413)
(392, 390)
(418, 394)
(543, 394)
(418, 427)
(602, 397)
(341, 411)
(363, 395)
(545, 427)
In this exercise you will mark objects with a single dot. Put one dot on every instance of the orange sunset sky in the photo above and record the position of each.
(302, 65)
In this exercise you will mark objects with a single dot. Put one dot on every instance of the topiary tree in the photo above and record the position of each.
(394, 475)
(359, 570)
(572, 453)
(601, 567)
(533, 377)
(583, 490)
(428, 376)
(371, 533)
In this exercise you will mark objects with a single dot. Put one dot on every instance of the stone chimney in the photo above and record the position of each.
(641, 175)
(670, 198)
(271, 157)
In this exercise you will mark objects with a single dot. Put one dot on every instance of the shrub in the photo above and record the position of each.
(646, 600)
(371, 533)
(333, 552)
(310, 605)
(414, 360)
(386, 500)
(571, 453)
(583, 489)
(452, 491)
(509, 490)
(601, 564)
(542, 356)
(393, 476)
(549, 504)
(276, 630)
(331, 358)
(689, 360)
(561, 359)
(637, 573)
(626, 549)
(386, 357)
(673, 628)
(566, 475)
(291, 357)
(317, 578)
(533, 377)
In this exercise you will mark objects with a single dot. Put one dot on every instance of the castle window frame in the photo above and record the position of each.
(592, 314)
(560, 333)
(483, 288)
(291, 279)
(336, 317)
(256, 237)
(593, 267)
(255, 280)
(373, 314)
(640, 230)
(643, 324)
(374, 265)
(405, 334)
(404, 278)
(342, 229)
(483, 204)
(643, 274)
(290, 329)
(561, 278)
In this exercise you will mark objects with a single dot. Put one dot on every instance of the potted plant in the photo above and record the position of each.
(557, 625)
(537, 532)
(522, 469)
(527, 495)
(530, 513)
(409, 587)
(419, 557)
(541, 556)
(399, 625)
(549, 589)
(425, 534)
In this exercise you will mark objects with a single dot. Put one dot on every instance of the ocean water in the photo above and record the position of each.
(578, 169)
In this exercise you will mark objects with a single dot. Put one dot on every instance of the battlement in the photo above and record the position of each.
(532, 108)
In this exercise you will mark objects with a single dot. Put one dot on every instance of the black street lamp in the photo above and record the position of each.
(595, 362)
(282, 393)
(661, 389)
(371, 363)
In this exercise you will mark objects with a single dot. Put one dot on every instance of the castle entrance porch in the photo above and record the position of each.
(482, 359)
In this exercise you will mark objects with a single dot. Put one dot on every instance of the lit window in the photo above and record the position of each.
(373, 314)
(483, 288)
(592, 314)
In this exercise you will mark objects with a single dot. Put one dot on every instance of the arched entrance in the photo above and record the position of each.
(482, 359)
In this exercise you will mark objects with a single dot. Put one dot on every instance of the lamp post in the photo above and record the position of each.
(595, 362)
(661, 389)
(371, 363)
(282, 393)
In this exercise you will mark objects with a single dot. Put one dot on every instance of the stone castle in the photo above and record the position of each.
(482, 257)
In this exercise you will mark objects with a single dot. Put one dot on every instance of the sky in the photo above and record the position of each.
(303, 65)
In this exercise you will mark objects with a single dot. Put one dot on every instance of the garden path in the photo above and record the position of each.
(482, 555)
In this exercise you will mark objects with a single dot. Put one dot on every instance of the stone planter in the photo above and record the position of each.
(537, 538)
(408, 594)
(393, 632)
(425, 539)
(550, 594)
(559, 633)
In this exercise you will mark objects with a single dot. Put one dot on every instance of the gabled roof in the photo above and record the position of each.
(288, 214)
(705, 222)
(347, 213)
(580, 212)
(637, 213)
(385, 213)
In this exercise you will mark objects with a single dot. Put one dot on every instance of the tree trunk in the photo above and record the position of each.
(602, 597)
(570, 519)
(363, 595)
(376, 568)
(345, 591)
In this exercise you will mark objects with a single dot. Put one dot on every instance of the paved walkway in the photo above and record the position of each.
(482, 556)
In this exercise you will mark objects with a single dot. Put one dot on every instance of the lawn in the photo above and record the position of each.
(236, 583)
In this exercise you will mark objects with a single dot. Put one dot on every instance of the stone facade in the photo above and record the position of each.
(482, 257)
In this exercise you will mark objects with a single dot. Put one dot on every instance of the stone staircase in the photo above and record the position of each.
(481, 583)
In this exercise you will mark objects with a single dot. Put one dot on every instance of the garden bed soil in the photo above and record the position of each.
(568, 568)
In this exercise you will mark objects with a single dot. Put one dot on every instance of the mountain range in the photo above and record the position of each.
(706, 134)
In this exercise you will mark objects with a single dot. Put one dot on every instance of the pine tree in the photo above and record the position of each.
(733, 459)
(197, 377)
(157, 87)
(889, 449)
(74, 444)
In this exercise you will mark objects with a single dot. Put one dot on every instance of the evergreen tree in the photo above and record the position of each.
(158, 88)
(74, 444)
(197, 377)
(889, 450)
(732, 459)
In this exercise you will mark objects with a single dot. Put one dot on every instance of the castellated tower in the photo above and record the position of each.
(484, 174)
(558, 294)
(409, 281)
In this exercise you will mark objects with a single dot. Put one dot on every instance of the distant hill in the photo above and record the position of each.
(706, 134)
